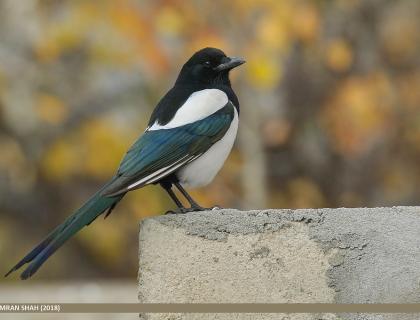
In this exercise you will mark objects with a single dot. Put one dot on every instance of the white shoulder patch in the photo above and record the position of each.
(199, 105)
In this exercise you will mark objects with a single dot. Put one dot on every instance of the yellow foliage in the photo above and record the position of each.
(147, 202)
(359, 112)
(263, 70)
(15, 165)
(339, 55)
(11, 153)
(61, 161)
(2, 81)
(51, 109)
(409, 90)
(139, 30)
(305, 193)
(99, 29)
(207, 38)
(350, 199)
(104, 148)
(300, 193)
(275, 132)
(96, 150)
(47, 50)
(121, 56)
(67, 33)
(273, 32)
(170, 21)
(105, 239)
(412, 135)
(247, 6)
(400, 36)
(397, 182)
(306, 22)
(348, 4)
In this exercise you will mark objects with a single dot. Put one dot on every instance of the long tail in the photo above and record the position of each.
(94, 207)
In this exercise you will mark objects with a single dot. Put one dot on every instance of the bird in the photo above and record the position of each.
(187, 140)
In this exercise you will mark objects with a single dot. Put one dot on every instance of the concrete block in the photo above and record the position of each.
(361, 255)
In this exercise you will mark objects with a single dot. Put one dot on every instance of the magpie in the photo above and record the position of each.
(189, 136)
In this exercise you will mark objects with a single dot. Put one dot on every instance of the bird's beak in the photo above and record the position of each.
(230, 63)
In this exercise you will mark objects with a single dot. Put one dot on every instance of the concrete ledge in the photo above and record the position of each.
(341, 255)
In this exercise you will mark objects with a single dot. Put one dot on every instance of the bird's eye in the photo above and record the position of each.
(207, 64)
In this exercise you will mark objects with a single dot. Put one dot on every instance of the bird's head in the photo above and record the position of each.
(208, 66)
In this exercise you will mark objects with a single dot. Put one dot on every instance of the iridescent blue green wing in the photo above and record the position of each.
(158, 153)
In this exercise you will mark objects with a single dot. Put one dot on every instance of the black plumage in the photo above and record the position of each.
(160, 153)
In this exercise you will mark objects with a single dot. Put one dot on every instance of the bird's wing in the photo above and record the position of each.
(158, 153)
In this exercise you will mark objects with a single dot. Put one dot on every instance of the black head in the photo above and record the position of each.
(208, 66)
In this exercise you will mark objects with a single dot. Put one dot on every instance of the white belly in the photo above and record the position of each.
(201, 171)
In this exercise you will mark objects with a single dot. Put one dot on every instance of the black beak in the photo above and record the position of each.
(230, 63)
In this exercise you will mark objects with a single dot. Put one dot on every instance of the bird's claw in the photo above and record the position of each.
(192, 209)
(180, 211)
(177, 211)
(207, 209)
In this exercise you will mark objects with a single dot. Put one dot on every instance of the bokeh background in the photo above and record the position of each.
(330, 111)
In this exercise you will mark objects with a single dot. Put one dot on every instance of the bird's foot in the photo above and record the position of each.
(192, 209)
(199, 208)
(185, 210)
(177, 211)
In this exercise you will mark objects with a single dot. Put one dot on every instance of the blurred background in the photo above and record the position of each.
(330, 112)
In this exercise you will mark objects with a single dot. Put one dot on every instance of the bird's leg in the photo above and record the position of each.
(168, 189)
(194, 205)
(174, 198)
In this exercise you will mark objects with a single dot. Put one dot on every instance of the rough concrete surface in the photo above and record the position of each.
(362, 255)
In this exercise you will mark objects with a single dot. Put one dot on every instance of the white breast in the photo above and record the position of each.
(201, 171)
(199, 105)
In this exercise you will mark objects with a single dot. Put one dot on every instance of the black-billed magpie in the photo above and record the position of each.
(189, 136)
